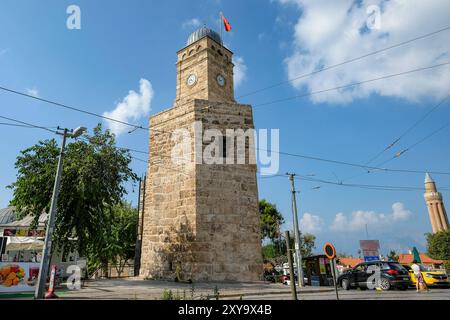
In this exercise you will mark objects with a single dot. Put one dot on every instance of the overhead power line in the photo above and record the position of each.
(62, 105)
(408, 130)
(329, 67)
(403, 151)
(344, 163)
(351, 164)
(325, 68)
(351, 84)
(58, 104)
(392, 144)
(23, 123)
(352, 185)
(15, 125)
(306, 178)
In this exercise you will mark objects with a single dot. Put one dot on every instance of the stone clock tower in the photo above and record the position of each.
(200, 221)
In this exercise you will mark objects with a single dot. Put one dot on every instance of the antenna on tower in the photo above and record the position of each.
(367, 232)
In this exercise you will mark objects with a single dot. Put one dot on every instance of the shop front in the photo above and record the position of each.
(21, 248)
(318, 271)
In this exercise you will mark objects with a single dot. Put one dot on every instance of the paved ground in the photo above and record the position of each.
(150, 290)
(132, 288)
(433, 294)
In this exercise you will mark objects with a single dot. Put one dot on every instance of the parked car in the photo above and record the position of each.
(432, 278)
(392, 275)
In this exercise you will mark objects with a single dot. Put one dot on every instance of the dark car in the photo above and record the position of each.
(392, 275)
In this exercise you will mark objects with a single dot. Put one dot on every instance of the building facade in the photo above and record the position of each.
(201, 218)
(435, 204)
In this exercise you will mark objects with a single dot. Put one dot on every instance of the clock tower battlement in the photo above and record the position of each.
(204, 69)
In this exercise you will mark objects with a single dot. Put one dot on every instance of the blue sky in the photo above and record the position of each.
(119, 44)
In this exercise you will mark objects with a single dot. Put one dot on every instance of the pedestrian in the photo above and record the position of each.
(420, 282)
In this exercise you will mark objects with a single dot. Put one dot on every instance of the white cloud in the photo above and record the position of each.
(399, 212)
(133, 106)
(329, 32)
(310, 223)
(358, 220)
(240, 71)
(32, 92)
(192, 23)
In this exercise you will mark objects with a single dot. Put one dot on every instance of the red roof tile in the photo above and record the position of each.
(351, 262)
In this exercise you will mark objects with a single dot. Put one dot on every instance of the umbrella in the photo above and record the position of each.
(416, 255)
(24, 243)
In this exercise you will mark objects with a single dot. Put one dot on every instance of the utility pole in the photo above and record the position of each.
(137, 251)
(296, 232)
(291, 266)
(47, 250)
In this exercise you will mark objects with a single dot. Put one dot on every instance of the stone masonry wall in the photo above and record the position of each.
(201, 219)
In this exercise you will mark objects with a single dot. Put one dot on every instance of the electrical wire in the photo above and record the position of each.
(62, 105)
(258, 105)
(344, 62)
(408, 130)
(27, 124)
(351, 84)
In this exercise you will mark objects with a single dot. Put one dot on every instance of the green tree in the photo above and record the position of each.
(271, 220)
(307, 244)
(117, 240)
(270, 252)
(393, 255)
(93, 178)
(438, 245)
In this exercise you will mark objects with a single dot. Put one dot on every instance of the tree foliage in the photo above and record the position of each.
(271, 220)
(276, 251)
(393, 256)
(116, 241)
(92, 184)
(438, 245)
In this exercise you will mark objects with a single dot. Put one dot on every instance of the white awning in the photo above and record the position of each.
(24, 243)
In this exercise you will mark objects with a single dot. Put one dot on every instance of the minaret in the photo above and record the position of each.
(436, 209)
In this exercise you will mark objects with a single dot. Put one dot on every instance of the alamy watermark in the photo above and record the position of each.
(229, 146)
(374, 280)
(373, 21)
(74, 19)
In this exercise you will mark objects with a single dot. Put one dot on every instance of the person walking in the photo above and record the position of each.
(420, 281)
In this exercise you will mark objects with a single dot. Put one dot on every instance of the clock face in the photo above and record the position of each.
(221, 80)
(191, 80)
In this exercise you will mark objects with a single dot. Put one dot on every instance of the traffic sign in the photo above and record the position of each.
(329, 250)
(371, 258)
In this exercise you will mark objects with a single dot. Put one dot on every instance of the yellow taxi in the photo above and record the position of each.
(431, 278)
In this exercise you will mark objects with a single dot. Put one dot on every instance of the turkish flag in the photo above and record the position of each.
(226, 24)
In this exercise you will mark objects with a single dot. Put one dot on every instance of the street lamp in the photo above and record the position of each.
(78, 132)
(47, 250)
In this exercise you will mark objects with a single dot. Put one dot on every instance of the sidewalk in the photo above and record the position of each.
(138, 289)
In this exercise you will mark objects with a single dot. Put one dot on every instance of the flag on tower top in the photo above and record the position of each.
(226, 24)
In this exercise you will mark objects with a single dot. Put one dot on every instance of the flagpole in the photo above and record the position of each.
(221, 27)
